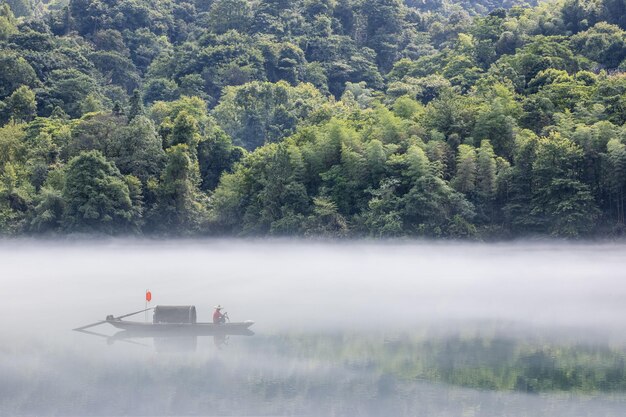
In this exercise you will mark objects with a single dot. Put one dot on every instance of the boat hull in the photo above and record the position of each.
(182, 329)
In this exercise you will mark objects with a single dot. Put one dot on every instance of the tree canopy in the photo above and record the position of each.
(462, 119)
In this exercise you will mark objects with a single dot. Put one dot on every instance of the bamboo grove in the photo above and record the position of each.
(335, 118)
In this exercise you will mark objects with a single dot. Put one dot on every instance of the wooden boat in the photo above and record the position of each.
(171, 321)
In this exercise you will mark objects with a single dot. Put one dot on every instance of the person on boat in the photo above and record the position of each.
(218, 317)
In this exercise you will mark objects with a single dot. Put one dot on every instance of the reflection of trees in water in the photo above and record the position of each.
(336, 374)
(495, 363)
(475, 362)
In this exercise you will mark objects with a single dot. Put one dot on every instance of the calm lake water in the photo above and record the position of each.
(341, 329)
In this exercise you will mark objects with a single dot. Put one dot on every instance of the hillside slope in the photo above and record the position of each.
(314, 117)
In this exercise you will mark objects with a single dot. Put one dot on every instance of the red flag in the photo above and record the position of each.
(148, 296)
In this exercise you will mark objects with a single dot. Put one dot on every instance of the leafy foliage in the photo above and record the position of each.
(313, 117)
(97, 197)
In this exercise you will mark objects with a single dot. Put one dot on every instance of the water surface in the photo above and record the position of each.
(352, 328)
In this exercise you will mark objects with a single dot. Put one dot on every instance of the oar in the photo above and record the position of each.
(114, 318)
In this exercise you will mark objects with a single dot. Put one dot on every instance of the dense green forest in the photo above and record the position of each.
(468, 119)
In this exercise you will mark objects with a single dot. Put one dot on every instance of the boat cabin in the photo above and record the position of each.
(174, 314)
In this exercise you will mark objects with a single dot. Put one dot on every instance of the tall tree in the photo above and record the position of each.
(561, 202)
(486, 172)
(97, 197)
(136, 106)
(466, 170)
(616, 176)
(137, 150)
(180, 207)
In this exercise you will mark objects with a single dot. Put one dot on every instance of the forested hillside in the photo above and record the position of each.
(313, 117)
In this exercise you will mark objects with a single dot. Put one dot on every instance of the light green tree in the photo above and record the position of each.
(466, 170)
(180, 207)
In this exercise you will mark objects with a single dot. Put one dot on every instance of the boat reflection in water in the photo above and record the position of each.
(173, 328)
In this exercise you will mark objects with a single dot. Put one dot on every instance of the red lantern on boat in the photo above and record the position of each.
(148, 296)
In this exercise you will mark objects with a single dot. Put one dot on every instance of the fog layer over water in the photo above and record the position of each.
(335, 326)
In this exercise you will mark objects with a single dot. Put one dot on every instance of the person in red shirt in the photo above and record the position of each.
(218, 317)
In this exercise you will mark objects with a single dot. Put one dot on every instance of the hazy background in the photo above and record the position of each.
(315, 291)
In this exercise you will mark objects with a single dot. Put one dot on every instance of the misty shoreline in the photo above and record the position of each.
(313, 240)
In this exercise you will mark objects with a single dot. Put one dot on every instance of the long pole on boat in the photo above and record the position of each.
(78, 329)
